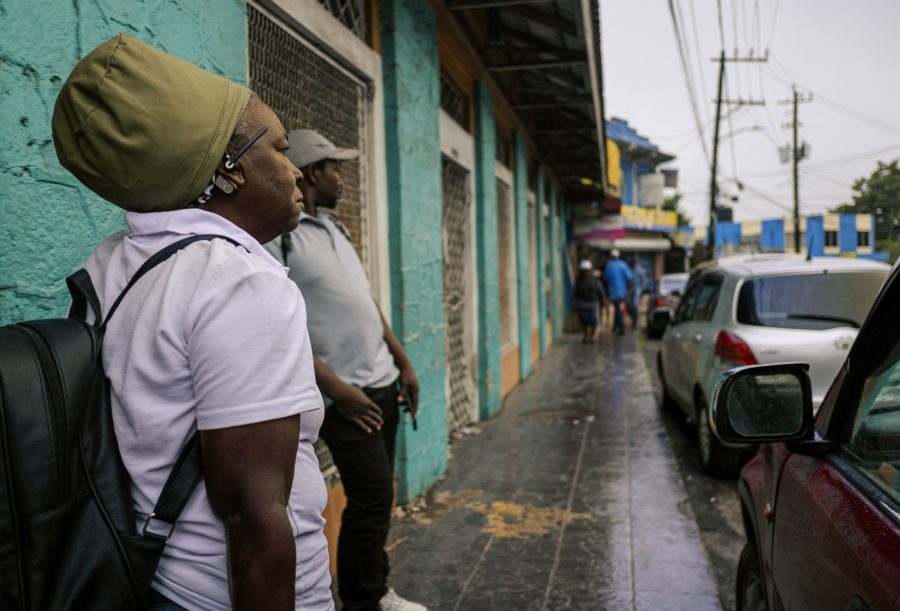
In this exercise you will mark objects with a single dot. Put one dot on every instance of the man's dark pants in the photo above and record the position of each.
(366, 464)
(618, 320)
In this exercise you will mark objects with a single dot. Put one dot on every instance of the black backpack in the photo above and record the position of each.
(67, 527)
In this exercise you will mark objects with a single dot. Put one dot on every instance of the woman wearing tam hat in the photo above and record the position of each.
(213, 339)
(588, 295)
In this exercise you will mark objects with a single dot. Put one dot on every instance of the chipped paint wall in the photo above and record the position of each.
(523, 285)
(488, 266)
(412, 141)
(49, 223)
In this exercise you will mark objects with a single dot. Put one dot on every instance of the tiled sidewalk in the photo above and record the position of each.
(569, 499)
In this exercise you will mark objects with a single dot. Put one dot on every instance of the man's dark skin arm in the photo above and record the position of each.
(409, 383)
(351, 402)
(249, 471)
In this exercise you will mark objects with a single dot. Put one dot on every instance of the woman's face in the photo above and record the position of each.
(270, 200)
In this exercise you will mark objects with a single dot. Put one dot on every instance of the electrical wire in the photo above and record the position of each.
(774, 22)
(686, 69)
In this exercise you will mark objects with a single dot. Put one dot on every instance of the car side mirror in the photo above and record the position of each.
(662, 317)
(764, 403)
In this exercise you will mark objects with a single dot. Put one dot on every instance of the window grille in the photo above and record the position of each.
(308, 91)
(862, 238)
(455, 231)
(831, 239)
(352, 13)
(454, 102)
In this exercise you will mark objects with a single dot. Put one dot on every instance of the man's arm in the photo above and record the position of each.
(249, 471)
(351, 402)
(409, 383)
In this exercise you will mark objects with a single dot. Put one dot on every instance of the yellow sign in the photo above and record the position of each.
(649, 218)
(613, 168)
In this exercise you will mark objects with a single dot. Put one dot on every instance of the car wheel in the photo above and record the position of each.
(751, 591)
(666, 403)
(715, 459)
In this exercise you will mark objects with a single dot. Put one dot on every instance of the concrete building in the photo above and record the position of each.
(480, 124)
(832, 234)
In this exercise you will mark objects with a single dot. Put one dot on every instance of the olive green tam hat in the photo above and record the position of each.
(142, 128)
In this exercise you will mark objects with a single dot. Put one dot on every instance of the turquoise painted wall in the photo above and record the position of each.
(487, 272)
(412, 139)
(49, 223)
(523, 283)
(555, 260)
(540, 257)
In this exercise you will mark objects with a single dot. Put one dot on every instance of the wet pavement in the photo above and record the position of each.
(569, 499)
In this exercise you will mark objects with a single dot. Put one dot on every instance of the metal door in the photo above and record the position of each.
(455, 232)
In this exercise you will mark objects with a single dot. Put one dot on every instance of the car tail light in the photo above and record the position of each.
(731, 347)
(659, 301)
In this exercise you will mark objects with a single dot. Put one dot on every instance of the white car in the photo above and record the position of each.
(759, 309)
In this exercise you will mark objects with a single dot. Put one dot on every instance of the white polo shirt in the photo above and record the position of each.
(344, 323)
(214, 337)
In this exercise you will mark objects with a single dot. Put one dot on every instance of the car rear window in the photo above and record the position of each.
(667, 286)
(808, 301)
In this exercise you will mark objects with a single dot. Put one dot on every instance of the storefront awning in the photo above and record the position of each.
(633, 244)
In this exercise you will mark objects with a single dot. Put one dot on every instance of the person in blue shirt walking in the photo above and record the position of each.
(618, 278)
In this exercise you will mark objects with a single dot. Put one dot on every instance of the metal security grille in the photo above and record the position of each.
(308, 90)
(352, 13)
(454, 102)
(457, 207)
(504, 263)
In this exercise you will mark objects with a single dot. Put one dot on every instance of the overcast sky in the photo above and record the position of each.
(847, 54)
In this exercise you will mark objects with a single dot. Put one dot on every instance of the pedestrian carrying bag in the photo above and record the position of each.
(68, 538)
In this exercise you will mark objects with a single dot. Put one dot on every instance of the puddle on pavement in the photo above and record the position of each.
(505, 519)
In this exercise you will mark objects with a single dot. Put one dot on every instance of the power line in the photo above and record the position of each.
(699, 50)
(686, 69)
(774, 22)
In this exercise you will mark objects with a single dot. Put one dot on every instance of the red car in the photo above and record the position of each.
(821, 496)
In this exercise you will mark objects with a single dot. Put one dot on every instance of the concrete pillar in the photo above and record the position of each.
(412, 141)
(540, 257)
(555, 262)
(523, 285)
(52, 220)
(489, 399)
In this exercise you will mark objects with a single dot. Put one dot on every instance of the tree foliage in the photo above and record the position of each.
(879, 195)
(672, 205)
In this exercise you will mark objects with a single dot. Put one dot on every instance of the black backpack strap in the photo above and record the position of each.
(83, 295)
(158, 258)
(178, 489)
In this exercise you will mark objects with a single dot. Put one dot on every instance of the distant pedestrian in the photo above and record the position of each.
(360, 367)
(618, 278)
(588, 297)
(639, 285)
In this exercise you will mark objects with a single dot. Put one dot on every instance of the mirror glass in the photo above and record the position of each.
(766, 404)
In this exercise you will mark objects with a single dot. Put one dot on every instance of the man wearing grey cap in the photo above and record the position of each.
(360, 367)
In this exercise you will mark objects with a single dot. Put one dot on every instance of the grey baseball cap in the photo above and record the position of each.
(309, 146)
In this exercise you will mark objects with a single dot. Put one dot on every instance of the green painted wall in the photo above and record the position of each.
(523, 284)
(540, 257)
(555, 262)
(49, 223)
(412, 139)
(489, 400)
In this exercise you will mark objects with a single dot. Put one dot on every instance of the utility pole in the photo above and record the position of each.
(713, 183)
(796, 155)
